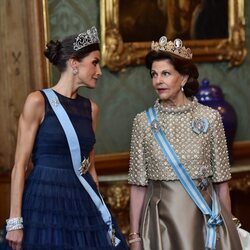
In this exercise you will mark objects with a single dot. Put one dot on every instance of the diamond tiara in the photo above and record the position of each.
(86, 38)
(174, 47)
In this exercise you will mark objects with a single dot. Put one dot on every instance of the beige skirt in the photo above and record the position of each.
(171, 220)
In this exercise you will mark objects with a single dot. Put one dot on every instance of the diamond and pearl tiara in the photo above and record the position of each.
(174, 47)
(86, 38)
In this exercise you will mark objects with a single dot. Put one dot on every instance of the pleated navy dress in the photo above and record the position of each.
(58, 213)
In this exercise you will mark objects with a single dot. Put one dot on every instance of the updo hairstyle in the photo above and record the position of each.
(59, 53)
(182, 65)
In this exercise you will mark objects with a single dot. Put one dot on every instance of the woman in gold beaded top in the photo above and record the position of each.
(179, 164)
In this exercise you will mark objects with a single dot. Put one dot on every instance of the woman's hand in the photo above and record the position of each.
(15, 239)
(136, 246)
(137, 194)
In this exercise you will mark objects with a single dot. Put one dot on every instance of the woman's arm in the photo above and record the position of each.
(137, 177)
(220, 162)
(29, 121)
(137, 194)
(92, 170)
(222, 191)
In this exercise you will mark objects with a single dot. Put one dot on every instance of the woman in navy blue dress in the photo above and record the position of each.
(51, 209)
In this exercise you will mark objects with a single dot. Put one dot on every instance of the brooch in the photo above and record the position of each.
(200, 126)
(203, 181)
(55, 102)
(155, 125)
(84, 166)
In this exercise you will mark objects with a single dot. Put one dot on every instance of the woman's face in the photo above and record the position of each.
(167, 81)
(89, 69)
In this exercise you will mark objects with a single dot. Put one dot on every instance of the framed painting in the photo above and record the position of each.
(213, 30)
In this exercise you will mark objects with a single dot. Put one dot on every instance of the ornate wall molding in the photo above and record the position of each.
(118, 163)
(241, 150)
(117, 54)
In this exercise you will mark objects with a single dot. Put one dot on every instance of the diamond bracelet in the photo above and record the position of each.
(14, 224)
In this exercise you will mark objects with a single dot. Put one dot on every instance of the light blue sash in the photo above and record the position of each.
(214, 214)
(76, 159)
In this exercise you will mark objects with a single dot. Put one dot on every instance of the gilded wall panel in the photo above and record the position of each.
(14, 75)
(21, 67)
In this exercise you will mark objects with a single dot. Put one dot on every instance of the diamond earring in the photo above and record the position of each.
(75, 72)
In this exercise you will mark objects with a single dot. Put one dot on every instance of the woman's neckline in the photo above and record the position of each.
(66, 97)
(173, 109)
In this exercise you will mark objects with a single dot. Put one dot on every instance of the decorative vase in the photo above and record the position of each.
(212, 96)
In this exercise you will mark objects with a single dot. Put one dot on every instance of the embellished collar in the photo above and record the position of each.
(176, 110)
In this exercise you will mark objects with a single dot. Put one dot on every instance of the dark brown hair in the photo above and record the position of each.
(182, 65)
(59, 53)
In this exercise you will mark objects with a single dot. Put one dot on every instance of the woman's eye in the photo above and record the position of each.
(153, 74)
(165, 73)
(95, 62)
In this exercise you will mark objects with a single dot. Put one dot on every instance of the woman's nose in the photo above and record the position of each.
(159, 79)
(99, 71)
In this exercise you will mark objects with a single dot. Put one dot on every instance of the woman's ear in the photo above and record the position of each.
(184, 80)
(73, 63)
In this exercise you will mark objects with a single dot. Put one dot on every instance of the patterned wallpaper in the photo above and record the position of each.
(121, 95)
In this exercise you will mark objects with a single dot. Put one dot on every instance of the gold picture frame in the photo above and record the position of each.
(117, 54)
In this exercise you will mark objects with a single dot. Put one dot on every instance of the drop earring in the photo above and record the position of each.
(75, 72)
(182, 89)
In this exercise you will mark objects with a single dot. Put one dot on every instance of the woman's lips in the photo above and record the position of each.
(161, 90)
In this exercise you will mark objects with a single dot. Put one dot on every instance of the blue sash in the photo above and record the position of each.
(76, 159)
(214, 214)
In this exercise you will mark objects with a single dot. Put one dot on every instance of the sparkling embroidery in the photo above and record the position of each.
(147, 162)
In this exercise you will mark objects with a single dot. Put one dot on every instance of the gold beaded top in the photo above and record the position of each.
(202, 154)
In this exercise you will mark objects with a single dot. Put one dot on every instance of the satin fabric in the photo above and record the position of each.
(171, 220)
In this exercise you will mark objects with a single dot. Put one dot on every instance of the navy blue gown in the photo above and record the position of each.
(58, 213)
